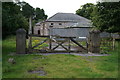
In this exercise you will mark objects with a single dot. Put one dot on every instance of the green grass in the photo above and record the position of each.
(36, 40)
(58, 65)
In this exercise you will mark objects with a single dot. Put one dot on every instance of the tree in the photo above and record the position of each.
(40, 15)
(27, 10)
(12, 19)
(15, 15)
(86, 10)
(106, 16)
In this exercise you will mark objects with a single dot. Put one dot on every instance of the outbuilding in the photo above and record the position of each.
(64, 24)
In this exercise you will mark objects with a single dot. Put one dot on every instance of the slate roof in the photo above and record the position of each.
(66, 17)
(70, 17)
(38, 24)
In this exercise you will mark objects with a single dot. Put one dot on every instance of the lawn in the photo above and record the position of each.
(58, 65)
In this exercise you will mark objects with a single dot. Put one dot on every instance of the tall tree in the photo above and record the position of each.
(12, 19)
(27, 10)
(15, 15)
(40, 14)
(106, 16)
(37, 14)
(86, 10)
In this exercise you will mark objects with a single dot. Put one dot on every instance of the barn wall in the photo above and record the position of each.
(58, 29)
(63, 32)
(82, 32)
(56, 24)
(70, 32)
(36, 28)
(43, 31)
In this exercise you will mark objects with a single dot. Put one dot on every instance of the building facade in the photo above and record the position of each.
(61, 21)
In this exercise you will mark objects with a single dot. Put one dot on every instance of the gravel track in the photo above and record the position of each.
(78, 54)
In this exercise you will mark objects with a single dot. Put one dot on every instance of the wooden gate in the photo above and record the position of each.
(52, 44)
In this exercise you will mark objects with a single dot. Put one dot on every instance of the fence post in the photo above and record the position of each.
(21, 41)
(94, 41)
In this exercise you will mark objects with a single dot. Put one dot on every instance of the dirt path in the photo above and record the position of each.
(78, 54)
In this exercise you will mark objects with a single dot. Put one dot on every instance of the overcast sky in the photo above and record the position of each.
(54, 6)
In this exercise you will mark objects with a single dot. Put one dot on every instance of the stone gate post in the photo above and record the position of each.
(21, 41)
(94, 41)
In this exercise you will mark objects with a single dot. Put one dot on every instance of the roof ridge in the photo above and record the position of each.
(51, 16)
(66, 17)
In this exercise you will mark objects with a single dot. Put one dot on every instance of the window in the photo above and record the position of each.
(60, 23)
(52, 24)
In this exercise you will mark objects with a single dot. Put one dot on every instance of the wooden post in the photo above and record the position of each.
(30, 32)
(113, 43)
(87, 42)
(21, 41)
(50, 38)
(43, 28)
(50, 43)
(69, 46)
(30, 25)
(94, 41)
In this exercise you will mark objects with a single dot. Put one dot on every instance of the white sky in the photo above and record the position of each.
(54, 6)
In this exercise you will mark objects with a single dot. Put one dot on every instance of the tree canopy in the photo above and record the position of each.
(15, 15)
(27, 10)
(86, 10)
(12, 19)
(105, 15)
(40, 14)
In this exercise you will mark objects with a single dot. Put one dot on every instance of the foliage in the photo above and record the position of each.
(106, 16)
(15, 15)
(58, 65)
(12, 19)
(86, 10)
(27, 9)
(40, 14)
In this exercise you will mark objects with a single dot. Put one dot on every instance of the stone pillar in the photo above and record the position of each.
(21, 41)
(94, 41)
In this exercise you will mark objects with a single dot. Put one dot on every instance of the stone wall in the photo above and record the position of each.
(45, 30)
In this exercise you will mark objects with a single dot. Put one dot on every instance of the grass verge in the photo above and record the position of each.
(58, 65)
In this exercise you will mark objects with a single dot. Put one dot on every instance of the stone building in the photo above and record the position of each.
(64, 21)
